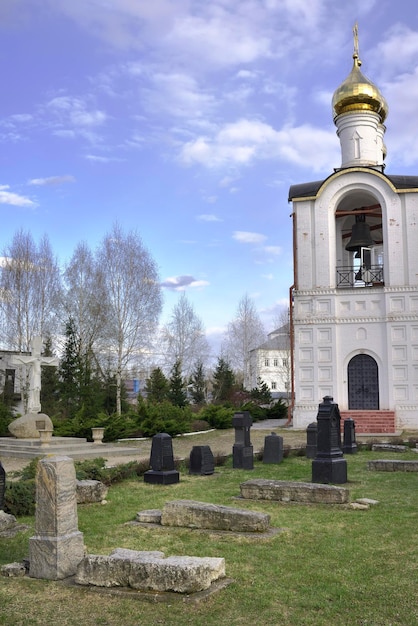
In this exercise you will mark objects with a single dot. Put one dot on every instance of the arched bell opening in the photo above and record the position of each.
(359, 242)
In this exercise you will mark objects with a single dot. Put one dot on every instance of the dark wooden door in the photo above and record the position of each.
(363, 383)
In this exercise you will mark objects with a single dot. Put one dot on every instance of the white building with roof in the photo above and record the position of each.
(270, 363)
(354, 319)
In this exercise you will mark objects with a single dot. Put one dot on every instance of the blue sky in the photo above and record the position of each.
(187, 121)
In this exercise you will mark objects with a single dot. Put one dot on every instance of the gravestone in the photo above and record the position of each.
(273, 449)
(201, 461)
(242, 450)
(162, 470)
(58, 546)
(329, 466)
(311, 440)
(349, 441)
(2, 486)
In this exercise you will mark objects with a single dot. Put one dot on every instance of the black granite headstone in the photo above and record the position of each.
(162, 470)
(2, 486)
(242, 450)
(273, 449)
(329, 466)
(201, 461)
(311, 440)
(349, 441)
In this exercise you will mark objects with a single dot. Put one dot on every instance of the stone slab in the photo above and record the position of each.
(150, 516)
(388, 447)
(289, 491)
(150, 571)
(193, 514)
(383, 465)
(90, 491)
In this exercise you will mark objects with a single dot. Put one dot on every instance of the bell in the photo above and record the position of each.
(360, 235)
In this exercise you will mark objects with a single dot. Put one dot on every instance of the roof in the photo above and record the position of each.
(277, 340)
(307, 190)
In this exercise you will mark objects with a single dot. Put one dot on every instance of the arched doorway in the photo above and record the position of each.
(363, 383)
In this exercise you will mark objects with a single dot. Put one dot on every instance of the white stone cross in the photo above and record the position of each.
(35, 360)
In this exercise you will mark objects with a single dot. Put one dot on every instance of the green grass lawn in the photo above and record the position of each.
(329, 565)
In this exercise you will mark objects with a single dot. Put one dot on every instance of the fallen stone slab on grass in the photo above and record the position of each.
(289, 491)
(150, 571)
(9, 527)
(384, 465)
(192, 514)
(388, 447)
(90, 491)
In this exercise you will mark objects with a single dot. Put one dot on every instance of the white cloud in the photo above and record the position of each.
(274, 250)
(14, 199)
(208, 217)
(181, 283)
(102, 159)
(52, 180)
(244, 141)
(248, 237)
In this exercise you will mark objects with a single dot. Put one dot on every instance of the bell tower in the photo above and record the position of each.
(355, 292)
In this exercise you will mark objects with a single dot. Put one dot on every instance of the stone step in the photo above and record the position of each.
(371, 421)
(86, 450)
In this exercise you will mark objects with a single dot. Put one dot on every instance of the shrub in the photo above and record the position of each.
(257, 412)
(166, 418)
(278, 410)
(19, 498)
(6, 416)
(217, 416)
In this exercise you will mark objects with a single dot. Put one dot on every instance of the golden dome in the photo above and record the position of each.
(358, 93)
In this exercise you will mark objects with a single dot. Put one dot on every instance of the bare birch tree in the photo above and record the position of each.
(133, 298)
(184, 337)
(85, 301)
(244, 333)
(30, 291)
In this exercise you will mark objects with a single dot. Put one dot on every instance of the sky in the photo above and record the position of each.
(187, 121)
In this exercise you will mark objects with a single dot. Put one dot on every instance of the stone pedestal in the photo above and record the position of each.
(45, 435)
(162, 470)
(349, 441)
(57, 547)
(329, 465)
(273, 449)
(201, 461)
(242, 450)
(311, 440)
(98, 434)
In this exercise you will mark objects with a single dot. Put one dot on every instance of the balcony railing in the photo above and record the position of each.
(348, 277)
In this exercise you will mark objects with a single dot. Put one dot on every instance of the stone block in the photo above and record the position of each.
(58, 546)
(383, 465)
(90, 491)
(192, 514)
(150, 571)
(28, 426)
(150, 516)
(288, 491)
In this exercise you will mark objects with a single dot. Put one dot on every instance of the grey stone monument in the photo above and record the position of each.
(57, 547)
(311, 440)
(201, 461)
(329, 466)
(162, 470)
(2, 486)
(349, 441)
(242, 450)
(273, 449)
